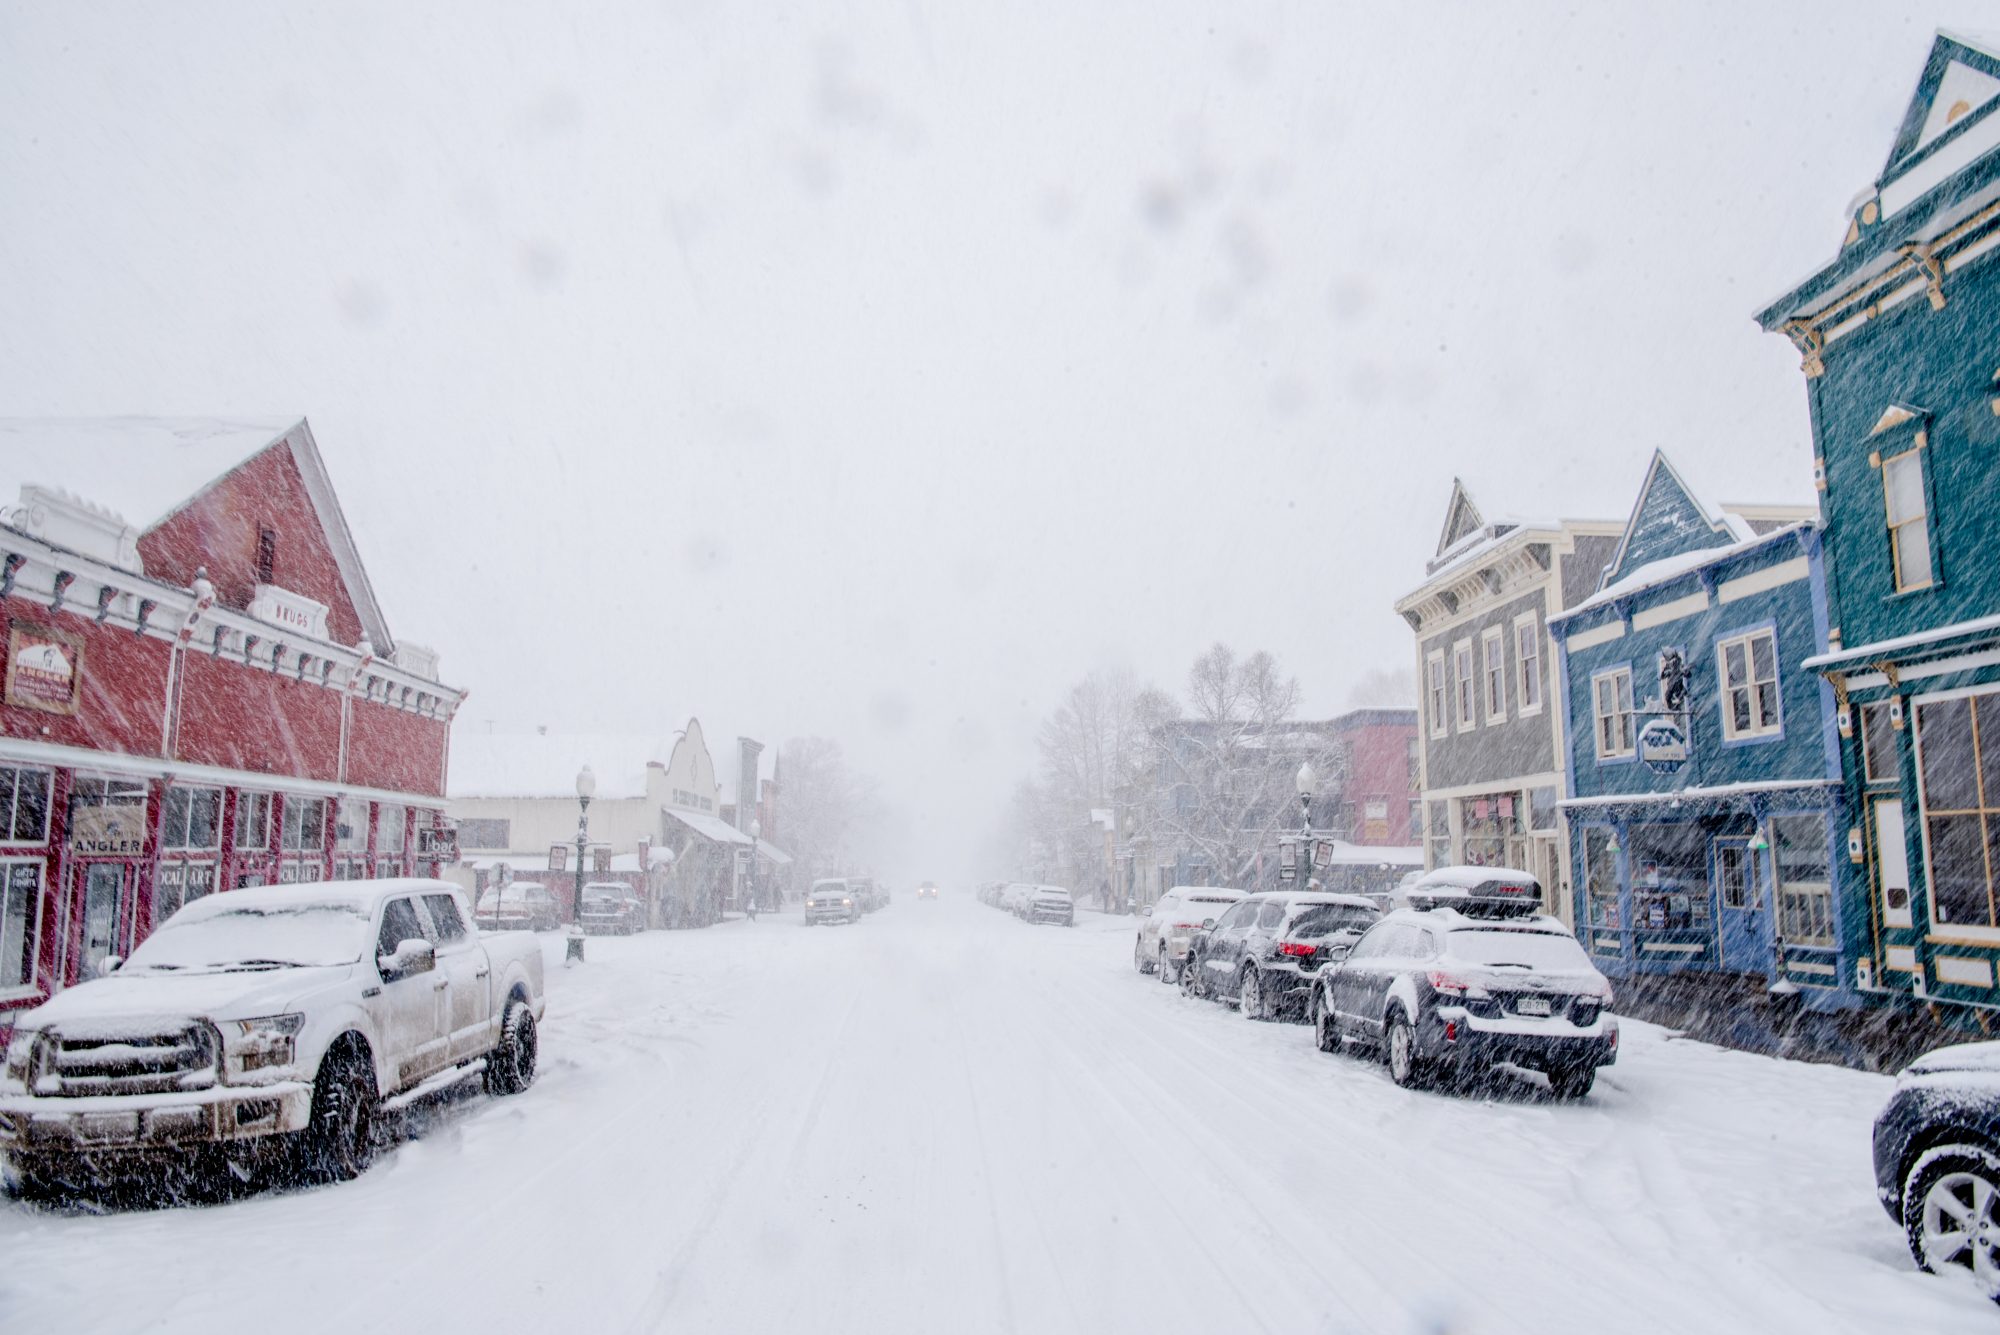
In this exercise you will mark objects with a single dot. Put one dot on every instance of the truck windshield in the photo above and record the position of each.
(256, 937)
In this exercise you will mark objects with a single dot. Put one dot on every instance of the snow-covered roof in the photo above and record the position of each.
(1862, 653)
(709, 827)
(1698, 793)
(1670, 568)
(140, 468)
(535, 764)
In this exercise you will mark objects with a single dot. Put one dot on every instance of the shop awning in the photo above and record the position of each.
(778, 857)
(712, 828)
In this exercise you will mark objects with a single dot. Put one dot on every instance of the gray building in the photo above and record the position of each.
(1489, 725)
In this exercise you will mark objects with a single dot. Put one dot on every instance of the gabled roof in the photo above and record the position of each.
(1961, 76)
(1461, 518)
(1666, 520)
(148, 469)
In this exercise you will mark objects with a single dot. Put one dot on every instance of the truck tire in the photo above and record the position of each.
(340, 1141)
(510, 1068)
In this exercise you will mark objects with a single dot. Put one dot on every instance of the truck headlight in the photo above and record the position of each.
(21, 1055)
(260, 1044)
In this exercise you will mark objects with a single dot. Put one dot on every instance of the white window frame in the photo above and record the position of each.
(1627, 743)
(248, 798)
(1966, 932)
(1493, 672)
(1437, 693)
(12, 803)
(1528, 684)
(1464, 688)
(1921, 521)
(298, 803)
(169, 836)
(1724, 692)
(34, 927)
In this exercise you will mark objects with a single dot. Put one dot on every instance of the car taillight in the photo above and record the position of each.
(1187, 927)
(1297, 948)
(1451, 1031)
(1449, 984)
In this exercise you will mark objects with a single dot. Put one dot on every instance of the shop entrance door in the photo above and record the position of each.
(101, 907)
(1740, 906)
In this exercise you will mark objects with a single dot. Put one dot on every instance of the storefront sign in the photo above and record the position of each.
(44, 669)
(114, 827)
(558, 857)
(1663, 746)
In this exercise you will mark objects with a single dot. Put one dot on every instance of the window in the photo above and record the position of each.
(1438, 830)
(305, 825)
(1958, 750)
(482, 833)
(1732, 874)
(445, 918)
(389, 820)
(193, 818)
(1612, 693)
(1462, 666)
(1805, 882)
(1434, 670)
(253, 820)
(1272, 914)
(1600, 877)
(399, 924)
(180, 883)
(267, 556)
(1493, 649)
(1909, 520)
(1878, 744)
(24, 805)
(350, 831)
(20, 920)
(1528, 664)
(1747, 667)
(1669, 861)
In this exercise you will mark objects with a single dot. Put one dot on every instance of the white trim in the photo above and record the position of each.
(1718, 790)
(1661, 613)
(1596, 635)
(1492, 644)
(1723, 690)
(1962, 970)
(54, 756)
(1760, 581)
(1903, 959)
(1464, 687)
(1513, 785)
(1597, 716)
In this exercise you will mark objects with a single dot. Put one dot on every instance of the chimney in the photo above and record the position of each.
(747, 752)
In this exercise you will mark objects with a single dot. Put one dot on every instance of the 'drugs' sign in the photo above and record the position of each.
(44, 668)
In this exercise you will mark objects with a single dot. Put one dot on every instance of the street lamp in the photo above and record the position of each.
(1304, 781)
(586, 788)
(756, 828)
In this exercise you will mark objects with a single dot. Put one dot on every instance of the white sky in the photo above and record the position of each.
(876, 370)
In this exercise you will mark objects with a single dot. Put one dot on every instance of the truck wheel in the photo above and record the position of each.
(510, 1068)
(1571, 1083)
(339, 1143)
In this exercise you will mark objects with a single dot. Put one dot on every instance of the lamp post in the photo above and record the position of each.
(586, 788)
(1304, 781)
(756, 828)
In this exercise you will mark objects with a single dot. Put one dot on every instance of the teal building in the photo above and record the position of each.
(1706, 816)
(1900, 343)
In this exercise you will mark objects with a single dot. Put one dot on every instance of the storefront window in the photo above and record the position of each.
(304, 825)
(1438, 830)
(1490, 828)
(350, 832)
(253, 820)
(1805, 882)
(20, 920)
(389, 832)
(1960, 775)
(1600, 877)
(193, 818)
(1669, 876)
(178, 884)
(24, 805)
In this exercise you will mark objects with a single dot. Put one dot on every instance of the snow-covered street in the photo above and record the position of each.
(942, 1119)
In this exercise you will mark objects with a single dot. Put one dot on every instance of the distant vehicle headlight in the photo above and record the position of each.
(847, 903)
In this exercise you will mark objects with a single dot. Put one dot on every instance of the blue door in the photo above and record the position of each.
(1740, 907)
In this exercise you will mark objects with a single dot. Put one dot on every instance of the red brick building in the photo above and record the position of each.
(1379, 799)
(200, 690)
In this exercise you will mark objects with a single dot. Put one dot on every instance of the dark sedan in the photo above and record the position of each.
(1264, 953)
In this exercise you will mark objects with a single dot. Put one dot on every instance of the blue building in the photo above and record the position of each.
(1900, 339)
(1705, 815)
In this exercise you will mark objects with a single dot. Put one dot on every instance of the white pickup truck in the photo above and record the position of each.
(267, 1023)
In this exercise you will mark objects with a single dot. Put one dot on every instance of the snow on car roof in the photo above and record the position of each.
(1473, 878)
(364, 895)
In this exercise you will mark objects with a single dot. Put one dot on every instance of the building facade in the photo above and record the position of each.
(203, 699)
(1705, 817)
(1902, 374)
(1489, 728)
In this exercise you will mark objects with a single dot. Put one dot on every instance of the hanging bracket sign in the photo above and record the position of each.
(1663, 746)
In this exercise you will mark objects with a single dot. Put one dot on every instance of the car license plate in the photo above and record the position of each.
(1532, 1006)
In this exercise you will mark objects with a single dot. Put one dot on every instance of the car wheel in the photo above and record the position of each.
(1326, 1037)
(339, 1142)
(1139, 960)
(1571, 1083)
(1406, 1068)
(510, 1068)
(1250, 994)
(1190, 978)
(1951, 1215)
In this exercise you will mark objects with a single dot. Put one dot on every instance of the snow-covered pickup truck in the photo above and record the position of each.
(263, 1024)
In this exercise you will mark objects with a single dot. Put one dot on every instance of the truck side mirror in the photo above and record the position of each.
(411, 957)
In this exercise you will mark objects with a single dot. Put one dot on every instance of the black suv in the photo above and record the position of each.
(1265, 951)
(1937, 1161)
(1468, 975)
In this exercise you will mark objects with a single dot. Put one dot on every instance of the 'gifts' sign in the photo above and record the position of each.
(44, 668)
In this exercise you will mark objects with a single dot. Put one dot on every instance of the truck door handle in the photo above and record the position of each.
(482, 973)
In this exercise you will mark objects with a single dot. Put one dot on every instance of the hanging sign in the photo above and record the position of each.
(108, 827)
(1663, 746)
(44, 668)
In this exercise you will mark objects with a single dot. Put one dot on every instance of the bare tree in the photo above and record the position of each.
(826, 810)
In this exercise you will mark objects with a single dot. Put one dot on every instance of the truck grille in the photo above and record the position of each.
(164, 1062)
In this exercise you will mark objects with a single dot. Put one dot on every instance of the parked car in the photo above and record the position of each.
(1264, 953)
(928, 890)
(266, 1026)
(1471, 974)
(519, 906)
(1014, 896)
(1049, 903)
(869, 895)
(832, 900)
(612, 907)
(1166, 926)
(1937, 1161)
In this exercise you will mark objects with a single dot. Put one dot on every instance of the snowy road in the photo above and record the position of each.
(943, 1120)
